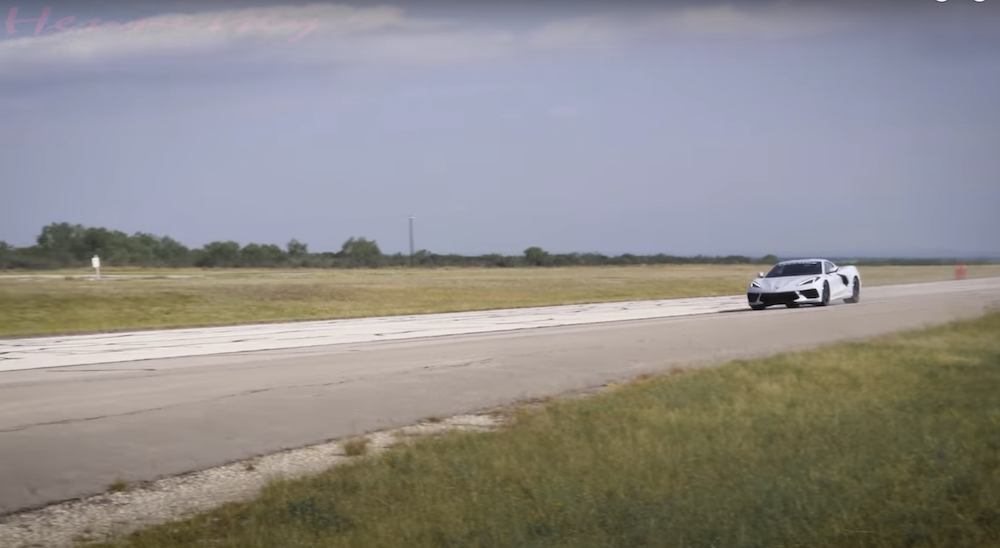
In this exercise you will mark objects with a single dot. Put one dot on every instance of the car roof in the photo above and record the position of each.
(802, 261)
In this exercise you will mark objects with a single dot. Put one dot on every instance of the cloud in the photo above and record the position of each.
(327, 34)
(84, 42)
(774, 22)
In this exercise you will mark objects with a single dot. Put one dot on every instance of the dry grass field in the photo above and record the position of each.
(66, 302)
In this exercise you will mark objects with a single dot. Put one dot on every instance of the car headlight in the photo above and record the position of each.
(809, 281)
(755, 284)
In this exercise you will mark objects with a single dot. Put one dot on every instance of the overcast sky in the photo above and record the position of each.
(792, 127)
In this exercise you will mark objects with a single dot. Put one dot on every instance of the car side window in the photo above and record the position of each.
(829, 267)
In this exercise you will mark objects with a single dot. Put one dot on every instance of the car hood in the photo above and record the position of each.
(791, 283)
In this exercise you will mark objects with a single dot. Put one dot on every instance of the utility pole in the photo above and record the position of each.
(411, 241)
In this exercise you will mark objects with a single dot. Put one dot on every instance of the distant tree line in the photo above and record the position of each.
(62, 245)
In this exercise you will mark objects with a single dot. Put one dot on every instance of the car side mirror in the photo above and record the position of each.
(834, 270)
(760, 274)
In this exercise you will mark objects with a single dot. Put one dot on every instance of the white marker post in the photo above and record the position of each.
(96, 262)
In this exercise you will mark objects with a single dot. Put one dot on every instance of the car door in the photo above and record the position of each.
(837, 286)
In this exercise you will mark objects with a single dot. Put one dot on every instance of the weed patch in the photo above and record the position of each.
(356, 447)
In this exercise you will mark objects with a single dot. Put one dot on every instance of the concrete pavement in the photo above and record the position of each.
(70, 431)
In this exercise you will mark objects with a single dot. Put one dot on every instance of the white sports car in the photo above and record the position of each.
(805, 281)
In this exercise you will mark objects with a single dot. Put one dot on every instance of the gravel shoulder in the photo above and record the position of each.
(106, 516)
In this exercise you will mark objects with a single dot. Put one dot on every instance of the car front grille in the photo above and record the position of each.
(752, 297)
(811, 293)
(778, 298)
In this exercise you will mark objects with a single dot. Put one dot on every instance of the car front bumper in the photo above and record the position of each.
(802, 295)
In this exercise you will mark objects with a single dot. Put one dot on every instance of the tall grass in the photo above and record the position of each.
(893, 443)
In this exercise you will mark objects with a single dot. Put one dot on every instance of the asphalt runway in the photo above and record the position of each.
(70, 431)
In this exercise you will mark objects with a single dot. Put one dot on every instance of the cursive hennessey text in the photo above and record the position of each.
(296, 30)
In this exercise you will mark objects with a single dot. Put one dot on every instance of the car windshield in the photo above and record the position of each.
(795, 269)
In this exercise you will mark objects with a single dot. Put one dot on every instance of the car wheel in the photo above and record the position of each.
(826, 294)
(855, 293)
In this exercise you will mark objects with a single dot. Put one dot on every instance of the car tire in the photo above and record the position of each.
(826, 294)
(856, 292)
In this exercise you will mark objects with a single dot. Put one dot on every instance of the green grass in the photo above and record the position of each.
(57, 304)
(890, 443)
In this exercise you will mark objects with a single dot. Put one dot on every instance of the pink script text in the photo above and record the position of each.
(300, 28)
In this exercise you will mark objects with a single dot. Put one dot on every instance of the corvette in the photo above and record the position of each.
(805, 281)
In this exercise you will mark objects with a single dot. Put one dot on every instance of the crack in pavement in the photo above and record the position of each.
(161, 408)
(449, 366)
(72, 421)
(95, 370)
